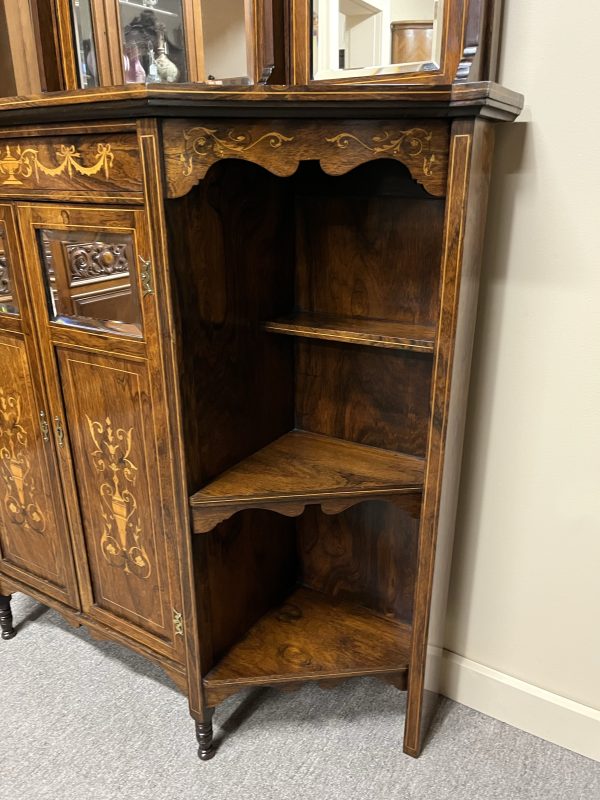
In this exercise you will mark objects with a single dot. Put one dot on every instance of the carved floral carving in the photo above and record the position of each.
(25, 163)
(94, 259)
(121, 541)
(15, 466)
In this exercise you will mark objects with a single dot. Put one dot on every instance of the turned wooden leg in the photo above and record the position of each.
(6, 620)
(204, 735)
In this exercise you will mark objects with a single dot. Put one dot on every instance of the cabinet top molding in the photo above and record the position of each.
(484, 98)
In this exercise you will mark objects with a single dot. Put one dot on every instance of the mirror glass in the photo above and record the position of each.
(225, 39)
(8, 302)
(153, 41)
(90, 280)
(354, 38)
(84, 43)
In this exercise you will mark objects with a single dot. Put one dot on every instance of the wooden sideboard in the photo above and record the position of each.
(235, 336)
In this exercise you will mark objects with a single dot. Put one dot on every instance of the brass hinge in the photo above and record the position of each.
(146, 276)
(178, 622)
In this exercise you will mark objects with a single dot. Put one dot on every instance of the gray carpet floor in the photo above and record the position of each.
(87, 720)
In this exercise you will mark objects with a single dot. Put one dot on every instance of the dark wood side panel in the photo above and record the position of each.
(249, 565)
(376, 398)
(470, 167)
(231, 257)
(366, 555)
(368, 244)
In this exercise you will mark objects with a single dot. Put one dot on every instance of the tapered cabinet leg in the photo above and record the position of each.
(6, 620)
(204, 735)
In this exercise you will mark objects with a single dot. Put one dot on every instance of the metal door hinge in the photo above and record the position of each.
(60, 433)
(178, 622)
(45, 428)
(146, 276)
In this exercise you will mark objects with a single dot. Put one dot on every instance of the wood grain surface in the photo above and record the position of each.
(302, 468)
(373, 332)
(312, 637)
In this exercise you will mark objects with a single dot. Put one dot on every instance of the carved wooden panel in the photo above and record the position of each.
(191, 147)
(33, 537)
(89, 260)
(115, 444)
(105, 164)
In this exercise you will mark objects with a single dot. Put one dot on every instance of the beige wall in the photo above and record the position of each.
(525, 591)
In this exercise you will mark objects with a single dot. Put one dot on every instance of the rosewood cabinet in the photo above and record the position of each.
(235, 334)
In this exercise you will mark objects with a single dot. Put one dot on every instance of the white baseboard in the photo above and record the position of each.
(545, 714)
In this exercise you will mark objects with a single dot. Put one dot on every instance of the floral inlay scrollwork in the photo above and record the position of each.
(410, 144)
(25, 163)
(204, 142)
(15, 467)
(121, 541)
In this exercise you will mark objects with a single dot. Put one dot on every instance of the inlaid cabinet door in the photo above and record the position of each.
(34, 536)
(96, 304)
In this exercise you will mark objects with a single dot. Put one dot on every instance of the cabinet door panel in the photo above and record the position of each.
(34, 537)
(110, 421)
(92, 286)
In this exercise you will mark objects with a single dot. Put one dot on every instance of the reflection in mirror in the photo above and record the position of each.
(84, 43)
(225, 31)
(90, 280)
(8, 303)
(153, 41)
(353, 38)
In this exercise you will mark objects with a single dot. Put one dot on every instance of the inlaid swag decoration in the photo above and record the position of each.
(25, 162)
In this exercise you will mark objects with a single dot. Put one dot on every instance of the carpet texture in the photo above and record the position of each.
(87, 720)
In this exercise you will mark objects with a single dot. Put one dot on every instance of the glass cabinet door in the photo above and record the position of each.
(153, 41)
(167, 41)
(85, 47)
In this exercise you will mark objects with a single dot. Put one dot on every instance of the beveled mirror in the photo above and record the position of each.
(356, 38)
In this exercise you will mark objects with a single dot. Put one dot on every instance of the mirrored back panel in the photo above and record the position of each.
(354, 38)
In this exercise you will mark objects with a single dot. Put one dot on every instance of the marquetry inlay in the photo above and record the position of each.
(410, 144)
(202, 142)
(190, 150)
(24, 162)
(19, 486)
(121, 541)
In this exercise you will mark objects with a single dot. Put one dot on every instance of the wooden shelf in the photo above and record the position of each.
(312, 637)
(370, 332)
(303, 468)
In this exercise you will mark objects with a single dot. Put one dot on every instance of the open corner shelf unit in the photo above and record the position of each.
(312, 356)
